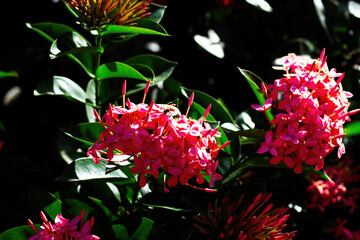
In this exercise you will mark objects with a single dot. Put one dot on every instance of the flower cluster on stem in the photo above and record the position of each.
(230, 220)
(311, 108)
(64, 229)
(338, 192)
(159, 137)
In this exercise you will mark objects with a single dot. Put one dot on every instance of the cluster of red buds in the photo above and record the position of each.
(231, 220)
(311, 108)
(159, 137)
(64, 228)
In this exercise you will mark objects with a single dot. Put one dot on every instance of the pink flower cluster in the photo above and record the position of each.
(64, 228)
(324, 193)
(311, 108)
(159, 137)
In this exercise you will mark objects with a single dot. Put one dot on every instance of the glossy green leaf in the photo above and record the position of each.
(85, 169)
(49, 30)
(157, 12)
(62, 86)
(249, 135)
(117, 70)
(19, 233)
(64, 39)
(86, 133)
(255, 84)
(144, 26)
(91, 95)
(161, 67)
(352, 128)
(40, 200)
(8, 74)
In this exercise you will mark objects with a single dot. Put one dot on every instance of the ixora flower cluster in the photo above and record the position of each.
(64, 228)
(338, 192)
(229, 220)
(311, 110)
(94, 14)
(159, 137)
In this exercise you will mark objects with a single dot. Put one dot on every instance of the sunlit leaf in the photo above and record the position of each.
(261, 4)
(157, 12)
(62, 86)
(352, 128)
(41, 200)
(85, 169)
(118, 70)
(354, 8)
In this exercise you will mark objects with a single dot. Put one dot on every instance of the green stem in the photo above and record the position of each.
(98, 41)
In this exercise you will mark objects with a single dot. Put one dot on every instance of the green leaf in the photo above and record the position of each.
(49, 30)
(259, 161)
(120, 231)
(144, 230)
(8, 74)
(40, 200)
(352, 128)
(85, 169)
(62, 86)
(255, 84)
(117, 70)
(218, 112)
(68, 37)
(91, 95)
(110, 87)
(86, 133)
(249, 135)
(157, 12)
(144, 26)
(19, 233)
(160, 66)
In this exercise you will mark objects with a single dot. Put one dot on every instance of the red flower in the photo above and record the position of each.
(231, 220)
(324, 193)
(159, 137)
(311, 110)
(64, 228)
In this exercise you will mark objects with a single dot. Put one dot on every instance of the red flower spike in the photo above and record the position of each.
(231, 219)
(189, 104)
(123, 92)
(146, 90)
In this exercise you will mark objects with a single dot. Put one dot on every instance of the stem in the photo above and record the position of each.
(98, 41)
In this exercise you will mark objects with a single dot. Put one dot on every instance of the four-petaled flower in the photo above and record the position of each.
(311, 108)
